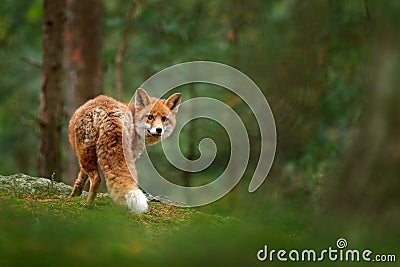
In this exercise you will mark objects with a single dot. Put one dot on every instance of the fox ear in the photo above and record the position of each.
(174, 101)
(142, 99)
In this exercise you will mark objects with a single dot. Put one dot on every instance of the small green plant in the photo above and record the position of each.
(52, 190)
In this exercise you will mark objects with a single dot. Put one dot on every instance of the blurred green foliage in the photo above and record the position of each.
(20, 50)
(309, 60)
(306, 57)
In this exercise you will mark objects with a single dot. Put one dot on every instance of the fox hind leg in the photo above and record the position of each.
(79, 183)
(88, 162)
(95, 181)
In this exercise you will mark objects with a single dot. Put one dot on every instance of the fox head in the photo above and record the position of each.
(156, 116)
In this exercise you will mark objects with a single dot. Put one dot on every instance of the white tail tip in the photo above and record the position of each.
(136, 201)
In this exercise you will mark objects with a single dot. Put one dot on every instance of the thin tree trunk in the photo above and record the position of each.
(50, 113)
(83, 42)
(367, 184)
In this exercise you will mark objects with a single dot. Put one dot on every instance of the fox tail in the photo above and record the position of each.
(124, 191)
(121, 183)
(136, 201)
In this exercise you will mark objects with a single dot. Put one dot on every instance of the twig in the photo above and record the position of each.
(366, 10)
(31, 62)
(121, 50)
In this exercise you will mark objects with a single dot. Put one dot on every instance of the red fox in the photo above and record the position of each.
(95, 134)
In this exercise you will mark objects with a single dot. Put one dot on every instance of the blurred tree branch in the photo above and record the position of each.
(32, 62)
(122, 48)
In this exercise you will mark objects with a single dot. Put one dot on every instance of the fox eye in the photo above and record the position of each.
(164, 119)
(150, 117)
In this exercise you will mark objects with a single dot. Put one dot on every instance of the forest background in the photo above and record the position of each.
(328, 69)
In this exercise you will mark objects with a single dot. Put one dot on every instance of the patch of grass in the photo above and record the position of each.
(159, 215)
(48, 230)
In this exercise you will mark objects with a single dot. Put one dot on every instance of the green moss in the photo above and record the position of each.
(24, 210)
(45, 230)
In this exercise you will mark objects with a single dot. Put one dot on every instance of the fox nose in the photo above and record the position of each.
(159, 130)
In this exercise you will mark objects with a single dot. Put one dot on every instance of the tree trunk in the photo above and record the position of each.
(83, 41)
(49, 155)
